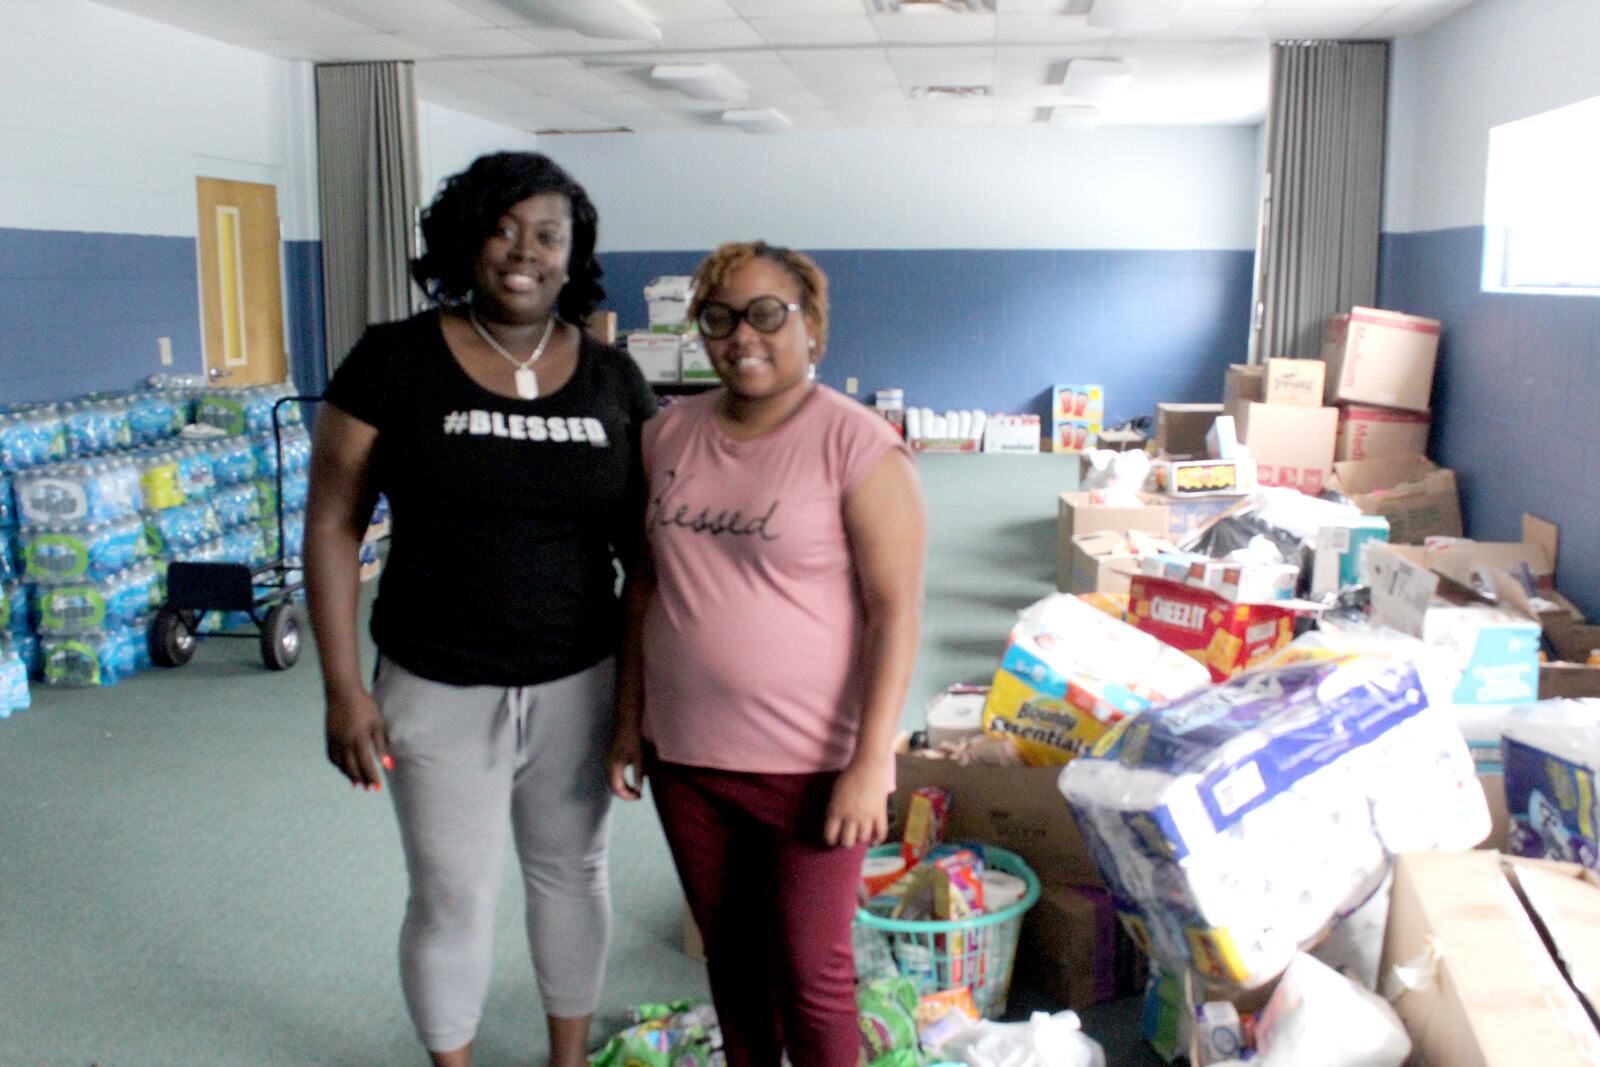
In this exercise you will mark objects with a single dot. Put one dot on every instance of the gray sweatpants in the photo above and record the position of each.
(472, 762)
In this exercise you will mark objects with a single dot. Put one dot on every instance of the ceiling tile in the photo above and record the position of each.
(833, 30)
(548, 39)
(874, 117)
(1313, 23)
(843, 68)
(551, 76)
(675, 10)
(720, 33)
(861, 95)
(944, 66)
(936, 28)
(492, 41)
(1036, 29)
(359, 47)
(393, 16)
(781, 8)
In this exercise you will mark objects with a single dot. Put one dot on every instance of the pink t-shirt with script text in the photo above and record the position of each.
(753, 640)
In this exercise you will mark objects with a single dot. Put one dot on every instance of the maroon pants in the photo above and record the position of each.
(774, 905)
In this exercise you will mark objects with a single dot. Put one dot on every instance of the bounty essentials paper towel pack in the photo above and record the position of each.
(1070, 672)
(1235, 825)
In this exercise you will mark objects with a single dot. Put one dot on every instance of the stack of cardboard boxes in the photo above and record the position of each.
(670, 350)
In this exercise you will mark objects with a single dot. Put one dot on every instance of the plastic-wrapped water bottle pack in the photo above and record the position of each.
(232, 460)
(182, 527)
(13, 608)
(98, 425)
(156, 414)
(31, 437)
(247, 410)
(117, 603)
(96, 490)
(238, 504)
(98, 658)
(60, 552)
(14, 694)
(296, 446)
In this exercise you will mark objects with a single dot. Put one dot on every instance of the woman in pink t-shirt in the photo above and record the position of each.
(772, 639)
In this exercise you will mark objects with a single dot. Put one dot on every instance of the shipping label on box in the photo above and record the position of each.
(1295, 382)
(1227, 638)
(1369, 432)
(1080, 403)
(1381, 357)
(1292, 446)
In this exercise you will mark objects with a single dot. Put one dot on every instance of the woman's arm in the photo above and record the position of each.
(888, 531)
(627, 746)
(337, 512)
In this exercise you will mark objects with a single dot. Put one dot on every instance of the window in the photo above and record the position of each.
(1542, 203)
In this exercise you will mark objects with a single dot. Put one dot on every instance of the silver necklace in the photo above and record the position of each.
(527, 381)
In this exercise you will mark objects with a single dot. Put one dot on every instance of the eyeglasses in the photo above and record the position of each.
(765, 314)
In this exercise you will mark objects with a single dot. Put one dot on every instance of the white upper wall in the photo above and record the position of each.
(1125, 188)
(449, 141)
(109, 119)
(1495, 62)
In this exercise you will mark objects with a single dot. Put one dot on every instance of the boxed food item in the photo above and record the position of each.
(1225, 637)
(1206, 477)
(1081, 402)
(1011, 433)
(1295, 382)
(1181, 428)
(1238, 824)
(1418, 497)
(1292, 446)
(1070, 672)
(1380, 357)
(1076, 435)
(1367, 432)
(1474, 956)
(657, 354)
(1336, 561)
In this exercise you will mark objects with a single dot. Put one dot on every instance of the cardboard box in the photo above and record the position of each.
(657, 355)
(1187, 515)
(1292, 446)
(1076, 517)
(1380, 357)
(693, 363)
(1120, 440)
(1419, 498)
(1011, 433)
(1181, 428)
(1074, 951)
(1206, 477)
(1105, 562)
(1497, 997)
(1075, 435)
(1336, 564)
(1295, 382)
(602, 326)
(1082, 403)
(1369, 433)
(1017, 808)
(1244, 383)
(1227, 638)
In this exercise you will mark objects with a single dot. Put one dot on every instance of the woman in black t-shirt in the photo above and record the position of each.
(507, 443)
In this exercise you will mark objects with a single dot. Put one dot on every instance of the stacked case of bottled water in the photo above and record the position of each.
(99, 494)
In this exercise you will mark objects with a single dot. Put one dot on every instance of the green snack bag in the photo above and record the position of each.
(888, 1016)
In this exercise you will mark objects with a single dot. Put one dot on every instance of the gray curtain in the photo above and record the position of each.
(1324, 191)
(369, 178)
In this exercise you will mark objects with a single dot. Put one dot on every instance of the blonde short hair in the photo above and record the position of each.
(716, 268)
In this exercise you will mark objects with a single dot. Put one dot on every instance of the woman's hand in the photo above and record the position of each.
(627, 751)
(858, 814)
(356, 743)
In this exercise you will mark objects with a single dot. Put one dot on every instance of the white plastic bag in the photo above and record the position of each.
(1043, 1041)
(1319, 1018)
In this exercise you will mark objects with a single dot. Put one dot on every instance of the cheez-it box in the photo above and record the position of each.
(1227, 638)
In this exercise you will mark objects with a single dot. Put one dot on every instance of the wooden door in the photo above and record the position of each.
(241, 283)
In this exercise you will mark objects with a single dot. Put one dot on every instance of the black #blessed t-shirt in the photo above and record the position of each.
(507, 513)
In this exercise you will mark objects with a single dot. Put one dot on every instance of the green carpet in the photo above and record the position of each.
(185, 882)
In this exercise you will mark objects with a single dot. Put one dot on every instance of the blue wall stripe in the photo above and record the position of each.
(994, 329)
(1515, 400)
(81, 312)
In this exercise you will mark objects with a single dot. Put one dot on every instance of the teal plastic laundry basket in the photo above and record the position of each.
(978, 952)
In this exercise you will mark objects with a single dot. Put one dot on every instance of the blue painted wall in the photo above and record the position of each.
(994, 329)
(1516, 397)
(81, 312)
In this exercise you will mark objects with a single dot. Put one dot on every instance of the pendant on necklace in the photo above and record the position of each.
(527, 383)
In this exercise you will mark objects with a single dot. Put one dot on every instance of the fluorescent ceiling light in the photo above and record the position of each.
(617, 19)
(1133, 14)
(1096, 79)
(914, 7)
(757, 119)
(1075, 117)
(703, 81)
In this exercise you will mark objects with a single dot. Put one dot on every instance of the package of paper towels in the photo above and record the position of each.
(1238, 824)
(1551, 754)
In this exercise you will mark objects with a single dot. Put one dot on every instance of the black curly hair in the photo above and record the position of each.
(470, 205)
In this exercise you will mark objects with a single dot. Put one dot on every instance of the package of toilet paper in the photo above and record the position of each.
(1238, 824)
(1551, 754)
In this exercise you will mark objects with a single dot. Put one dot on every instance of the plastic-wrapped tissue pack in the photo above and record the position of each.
(1551, 754)
(1239, 823)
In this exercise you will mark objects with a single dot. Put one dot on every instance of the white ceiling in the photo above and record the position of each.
(826, 64)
